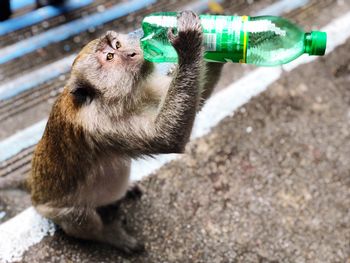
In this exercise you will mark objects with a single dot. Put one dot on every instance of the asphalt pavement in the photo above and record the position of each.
(268, 184)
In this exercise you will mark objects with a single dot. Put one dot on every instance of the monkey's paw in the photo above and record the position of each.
(188, 40)
(119, 238)
(132, 246)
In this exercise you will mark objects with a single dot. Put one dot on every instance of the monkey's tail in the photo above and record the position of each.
(14, 181)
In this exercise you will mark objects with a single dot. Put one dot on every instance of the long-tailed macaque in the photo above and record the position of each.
(115, 108)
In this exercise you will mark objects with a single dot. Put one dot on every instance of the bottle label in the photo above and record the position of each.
(225, 38)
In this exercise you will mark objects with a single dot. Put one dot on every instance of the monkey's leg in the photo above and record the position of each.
(134, 192)
(85, 223)
(116, 235)
(109, 213)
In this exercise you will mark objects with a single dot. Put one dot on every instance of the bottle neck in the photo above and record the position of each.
(308, 43)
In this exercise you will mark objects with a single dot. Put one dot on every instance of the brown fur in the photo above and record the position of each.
(110, 112)
(62, 147)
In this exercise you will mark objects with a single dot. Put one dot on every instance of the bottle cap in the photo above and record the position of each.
(317, 43)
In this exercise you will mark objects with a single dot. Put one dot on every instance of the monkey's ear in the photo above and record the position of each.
(83, 92)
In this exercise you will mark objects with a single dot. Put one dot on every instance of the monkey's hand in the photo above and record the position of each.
(188, 40)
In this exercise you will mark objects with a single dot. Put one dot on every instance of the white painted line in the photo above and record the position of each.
(14, 243)
(21, 140)
(21, 232)
(2, 214)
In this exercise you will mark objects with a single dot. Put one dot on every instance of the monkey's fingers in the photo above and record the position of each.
(171, 35)
(119, 238)
(188, 21)
(188, 40)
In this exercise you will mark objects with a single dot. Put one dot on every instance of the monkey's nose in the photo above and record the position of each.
(131, 55)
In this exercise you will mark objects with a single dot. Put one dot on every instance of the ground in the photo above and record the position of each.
(269, 184)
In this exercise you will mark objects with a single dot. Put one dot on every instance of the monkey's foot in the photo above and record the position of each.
(119, 238)
(133, 247)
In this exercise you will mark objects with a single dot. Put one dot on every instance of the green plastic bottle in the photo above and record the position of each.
(262, 40)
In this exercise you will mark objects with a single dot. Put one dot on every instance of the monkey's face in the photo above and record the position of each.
(113, 64)
(117, 52)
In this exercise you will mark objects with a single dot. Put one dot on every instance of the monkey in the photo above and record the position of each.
(115, 108)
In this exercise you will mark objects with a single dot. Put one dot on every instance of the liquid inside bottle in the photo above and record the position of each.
(263, 40)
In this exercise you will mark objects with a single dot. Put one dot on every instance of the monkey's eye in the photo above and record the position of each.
(118, 45)
(110, 56)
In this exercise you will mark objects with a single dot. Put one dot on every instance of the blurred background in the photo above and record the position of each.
(276, 170)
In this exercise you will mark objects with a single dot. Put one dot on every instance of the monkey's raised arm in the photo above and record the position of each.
(169, 131)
